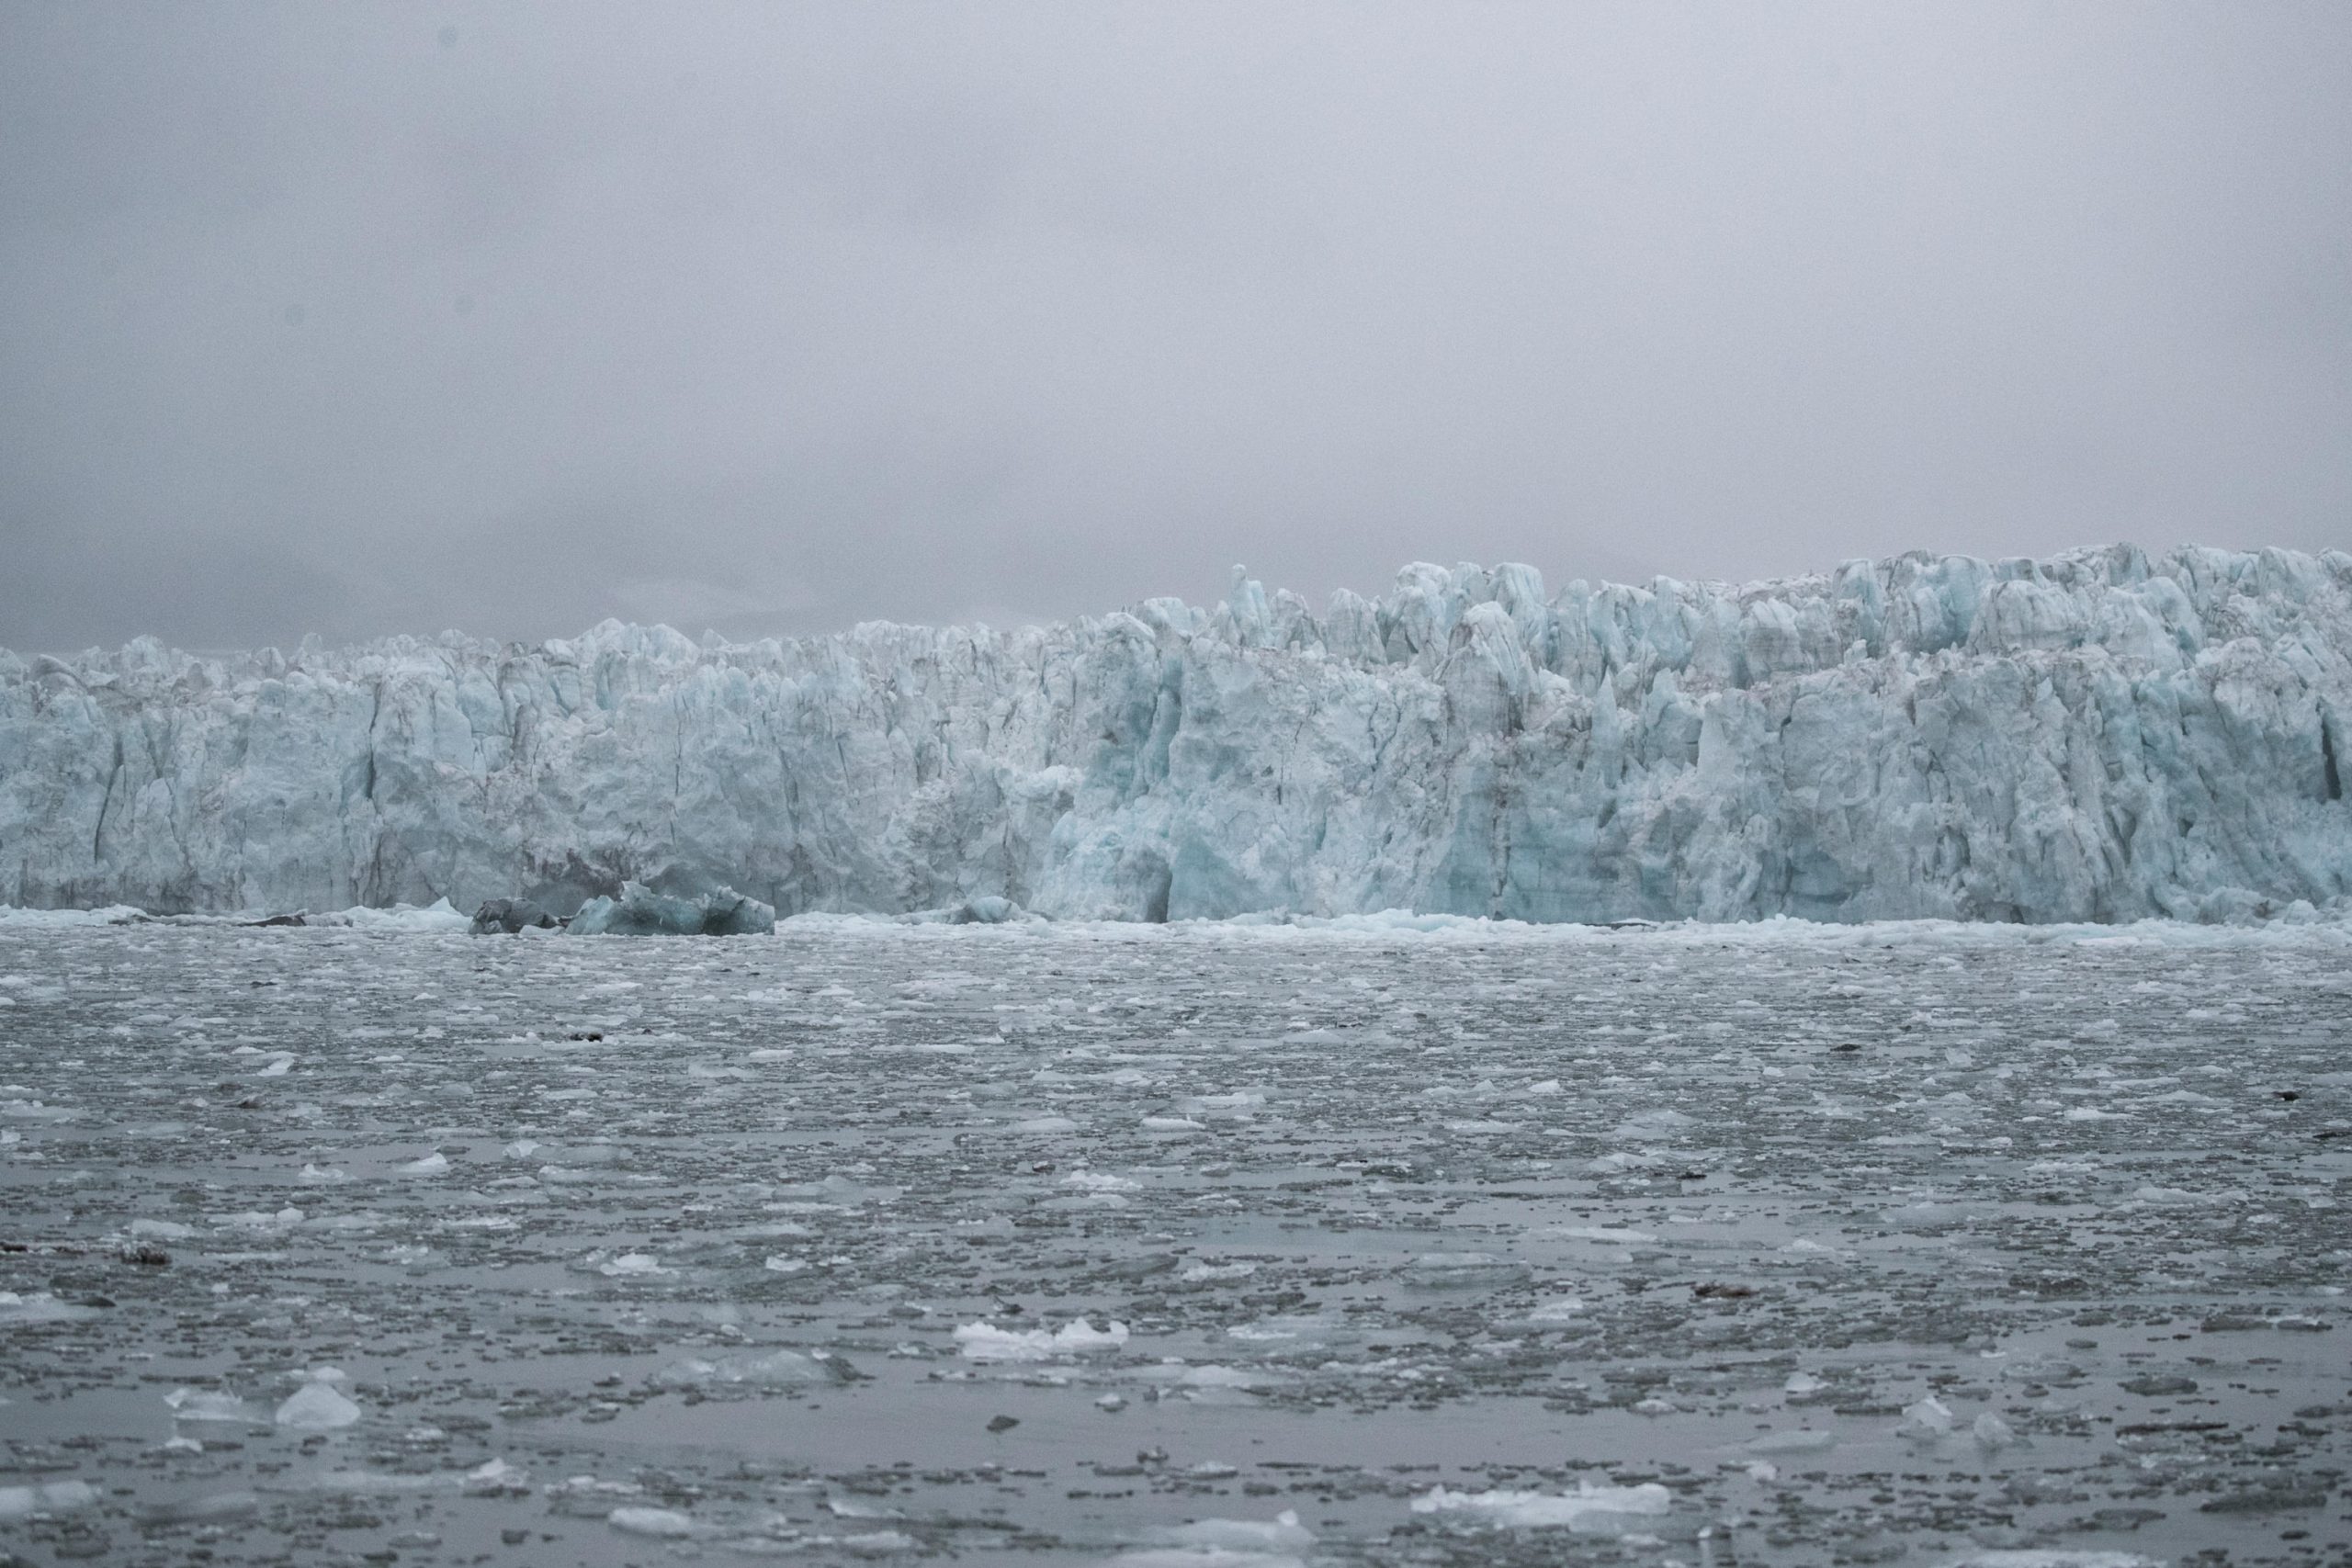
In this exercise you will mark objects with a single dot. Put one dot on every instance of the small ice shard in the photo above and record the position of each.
(318, 1405)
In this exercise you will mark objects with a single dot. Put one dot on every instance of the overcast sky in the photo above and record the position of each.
(366, 318)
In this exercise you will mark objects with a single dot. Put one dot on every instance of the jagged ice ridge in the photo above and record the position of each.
(2100, 736)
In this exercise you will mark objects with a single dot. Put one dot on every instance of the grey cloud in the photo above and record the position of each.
(358, 319)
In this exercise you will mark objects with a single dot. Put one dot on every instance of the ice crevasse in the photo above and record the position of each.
(2099, 736)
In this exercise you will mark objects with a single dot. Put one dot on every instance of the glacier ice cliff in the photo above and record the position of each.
(2100, 736)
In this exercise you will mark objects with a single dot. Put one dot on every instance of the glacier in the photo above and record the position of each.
(2100, 736)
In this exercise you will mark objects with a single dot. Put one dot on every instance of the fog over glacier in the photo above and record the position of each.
(2099, 736)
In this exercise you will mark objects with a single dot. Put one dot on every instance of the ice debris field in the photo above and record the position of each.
(1403, 1242)
(2101, 735)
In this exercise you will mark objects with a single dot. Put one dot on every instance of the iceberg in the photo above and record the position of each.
(641, 911)
(2103, 736)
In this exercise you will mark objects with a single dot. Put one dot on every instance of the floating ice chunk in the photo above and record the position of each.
(209, 1404)
(204, 1507)
(1993, 1434)
(2049, 1557)
(491, 1477)
(1171, 1124)
(1929, 1417)
(318, 1405)
(1046, 1124)
(1802, 1441)
(1613, 1509)
(641, 911)
(666, 1523)
(1651, 1124)
(1549, 1085)
(1255, 1541)
(45, 1497)
(1199, 1272)
(435, 917)
(1282, 1530)
(878, 1543)
(1464, 1270)
(988, 909)
(633, 1266)
(1204, 1557)
(432, 1164)
(985, 1342)
(1101, 1181)
(1559, 1309)
(162, 1230)
(1613, 1235)
(774, 1368)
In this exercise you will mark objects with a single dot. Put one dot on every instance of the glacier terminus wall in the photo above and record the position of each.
(2101, 735)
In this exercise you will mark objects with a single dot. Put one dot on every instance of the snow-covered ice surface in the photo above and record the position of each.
(1178, 1246)
(2097, 736)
